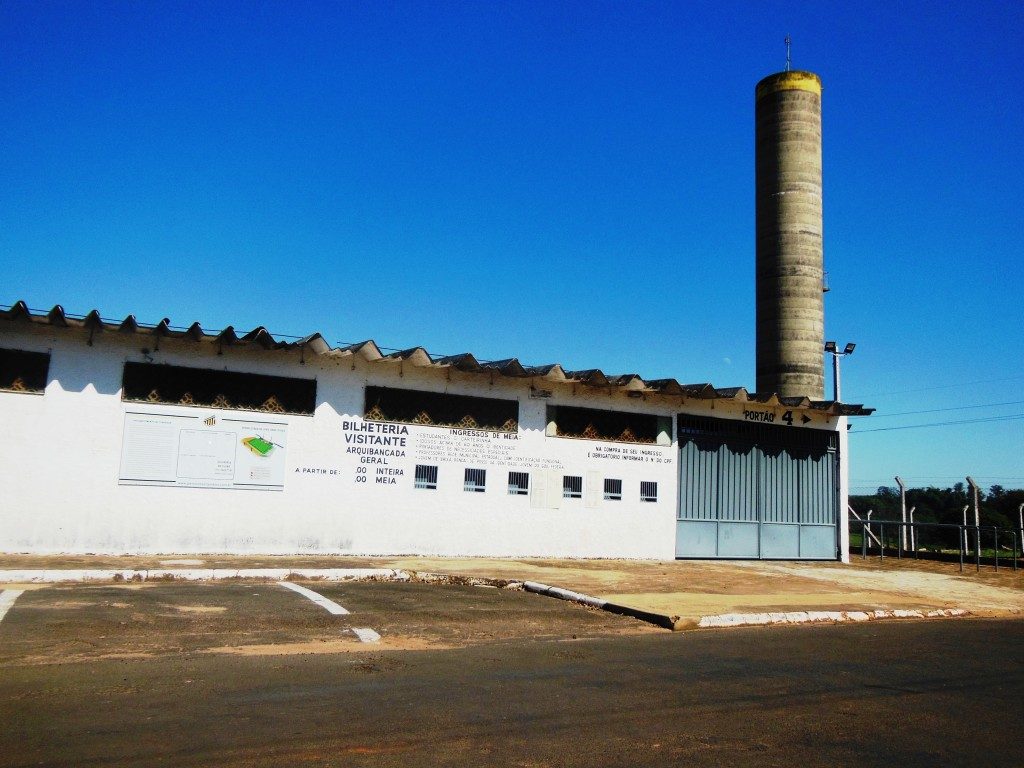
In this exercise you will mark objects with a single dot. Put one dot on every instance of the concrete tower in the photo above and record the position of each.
(790, 307)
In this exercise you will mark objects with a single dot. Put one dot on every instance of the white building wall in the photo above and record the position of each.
(844, 489)
(61, 456)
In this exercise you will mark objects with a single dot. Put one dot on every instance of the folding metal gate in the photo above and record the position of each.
(751, 490)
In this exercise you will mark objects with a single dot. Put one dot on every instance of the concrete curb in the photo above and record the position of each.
(57, 576)
(725, 620)
(660, 619)
(675, 623)
(819, 617)
(73, 576)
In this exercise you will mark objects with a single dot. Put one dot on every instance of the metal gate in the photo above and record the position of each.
(751, 490)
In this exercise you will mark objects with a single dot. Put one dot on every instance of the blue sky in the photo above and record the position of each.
(565, 182)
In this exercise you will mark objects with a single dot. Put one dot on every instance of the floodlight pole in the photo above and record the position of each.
(832, 349)
(836, 389)
(842, 461)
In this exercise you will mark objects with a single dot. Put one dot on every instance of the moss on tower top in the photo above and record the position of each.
(795, 80)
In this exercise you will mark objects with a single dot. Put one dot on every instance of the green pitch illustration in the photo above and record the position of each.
(258, 445)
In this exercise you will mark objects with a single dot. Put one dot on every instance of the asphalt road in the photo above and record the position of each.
(496, 679)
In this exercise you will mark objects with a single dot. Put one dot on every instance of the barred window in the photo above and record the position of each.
(518, 483)
(22, 371)
(426, 477)
(614, 426)
(612, 489)
(209, 388)
(648, 491)
(572, 487)
(440, 409)
(475, 480)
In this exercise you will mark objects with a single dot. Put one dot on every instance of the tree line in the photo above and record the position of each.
(997, 506)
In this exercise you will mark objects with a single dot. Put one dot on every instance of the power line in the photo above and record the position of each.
(941, 424)
(939, 410)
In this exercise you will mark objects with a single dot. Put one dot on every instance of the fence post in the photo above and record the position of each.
(903, 512)
(963, 540)
(913, 533)
(1020, 519)
(964, 536)
(977, 521)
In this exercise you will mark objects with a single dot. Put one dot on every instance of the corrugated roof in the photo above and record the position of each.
(316, 344)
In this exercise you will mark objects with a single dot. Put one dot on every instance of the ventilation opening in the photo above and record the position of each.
(518, 483)
(426, 477)
(22, 371)
(648, 491)
(611, 426)
(612, 490)
(742, 436)
(441, 410)
(572, 487)
(475, 480)
(177, 385)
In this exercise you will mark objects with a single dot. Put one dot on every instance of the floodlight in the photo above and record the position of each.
(832, 349)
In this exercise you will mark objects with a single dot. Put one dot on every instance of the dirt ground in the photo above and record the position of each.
(685, 588)
(68, 623)
(691, 589)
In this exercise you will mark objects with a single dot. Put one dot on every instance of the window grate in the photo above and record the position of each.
(178, 385)
(518, 483)
(612, 489)
(440, 409)
(23, 371)
(572, 487)
(475, 480)
(595, 424)
(426, 477)
(648, 491)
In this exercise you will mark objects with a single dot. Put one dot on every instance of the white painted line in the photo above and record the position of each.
(329, 605)
(7, 598)
(366, 635)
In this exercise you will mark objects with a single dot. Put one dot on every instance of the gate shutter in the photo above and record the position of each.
(755, 491)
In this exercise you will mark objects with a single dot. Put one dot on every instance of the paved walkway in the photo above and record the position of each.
(685, 591)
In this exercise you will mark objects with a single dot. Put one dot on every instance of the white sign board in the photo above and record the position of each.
(203, 451)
